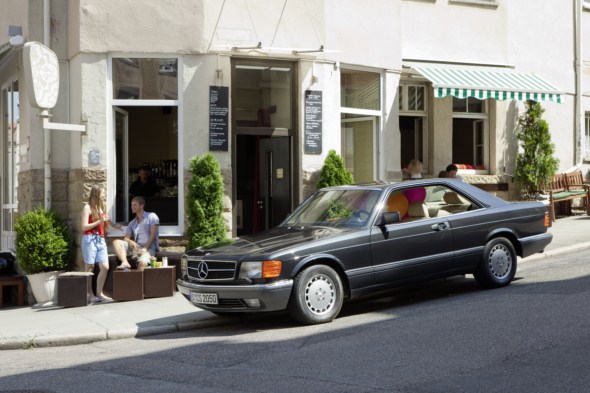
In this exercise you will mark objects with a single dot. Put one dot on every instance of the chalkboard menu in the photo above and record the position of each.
(218, 117)
(313, 122)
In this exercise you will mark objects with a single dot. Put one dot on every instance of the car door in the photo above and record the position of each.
(414, 249)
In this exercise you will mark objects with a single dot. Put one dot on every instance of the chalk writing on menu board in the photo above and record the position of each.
(313, 122)
(218, 117)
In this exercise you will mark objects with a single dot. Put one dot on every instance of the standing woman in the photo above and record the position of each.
(95, 223)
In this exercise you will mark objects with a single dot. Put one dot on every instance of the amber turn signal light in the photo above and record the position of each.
(271, 269)
(547, 222)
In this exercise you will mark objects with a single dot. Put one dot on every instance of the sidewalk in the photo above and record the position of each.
(24, 327)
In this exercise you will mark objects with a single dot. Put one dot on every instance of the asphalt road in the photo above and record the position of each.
(447, 336)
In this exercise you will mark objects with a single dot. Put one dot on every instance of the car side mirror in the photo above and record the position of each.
(389, 218)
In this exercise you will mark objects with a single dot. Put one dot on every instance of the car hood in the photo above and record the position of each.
(267, 242)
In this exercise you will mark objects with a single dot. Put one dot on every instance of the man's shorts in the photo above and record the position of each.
(145, 257)
(94, 249)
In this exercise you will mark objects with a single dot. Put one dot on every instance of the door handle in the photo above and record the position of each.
(441, 226)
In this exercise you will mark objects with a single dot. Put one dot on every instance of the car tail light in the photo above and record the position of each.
(547, 221)
(271, 269)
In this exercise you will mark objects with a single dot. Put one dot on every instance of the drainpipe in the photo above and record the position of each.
(45, 113)
(578, 110)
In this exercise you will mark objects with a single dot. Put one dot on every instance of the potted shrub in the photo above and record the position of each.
(205, 203)
(44, 248)
(333, 172)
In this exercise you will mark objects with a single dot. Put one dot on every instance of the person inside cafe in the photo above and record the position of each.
(452, 172)
(144, 186)
(141, 239)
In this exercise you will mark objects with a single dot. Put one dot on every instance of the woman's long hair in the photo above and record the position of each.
(97, 206)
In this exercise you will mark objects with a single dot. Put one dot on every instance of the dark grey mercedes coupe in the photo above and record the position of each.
(344, 242)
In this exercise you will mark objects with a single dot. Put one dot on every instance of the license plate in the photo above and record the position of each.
(204, 298)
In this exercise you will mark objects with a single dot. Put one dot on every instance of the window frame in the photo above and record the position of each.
(376, 114)
(586, 136)
(476, 116)
(112, 103)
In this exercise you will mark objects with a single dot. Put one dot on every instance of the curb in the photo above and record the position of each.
(53, 340)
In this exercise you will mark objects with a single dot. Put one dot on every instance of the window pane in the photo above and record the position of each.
(359, 89)
(459, 105)
(419, 98)
(400, 96)
(474, 105)
(145, 79)
(412, 98)
(263, 96)
(358, 137)
(587, 133)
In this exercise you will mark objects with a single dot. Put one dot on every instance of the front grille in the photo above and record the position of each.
(205, 270)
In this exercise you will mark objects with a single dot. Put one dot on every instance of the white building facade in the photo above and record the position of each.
(269, 87)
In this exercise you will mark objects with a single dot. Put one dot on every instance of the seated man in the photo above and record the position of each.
(141, 238)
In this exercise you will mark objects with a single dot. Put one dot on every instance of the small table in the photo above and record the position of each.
(14, 280)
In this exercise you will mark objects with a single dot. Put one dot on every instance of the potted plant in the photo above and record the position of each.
(44, 248)
(333, 172)
(205, 203)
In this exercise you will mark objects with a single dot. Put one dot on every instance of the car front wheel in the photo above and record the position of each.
(317, 295)
(498, 265)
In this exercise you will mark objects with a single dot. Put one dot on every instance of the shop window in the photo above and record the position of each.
(145, 126)
(358, 146)
(263, 95)
(412, 123)
(360, 101)
(145, 79)
(468, 105)
(360, 89)
(10, 162)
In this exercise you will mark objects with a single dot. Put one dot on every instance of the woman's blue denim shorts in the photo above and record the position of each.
(94, 249)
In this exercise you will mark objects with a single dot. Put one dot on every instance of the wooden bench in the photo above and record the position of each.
(565, 187)
(18, 282)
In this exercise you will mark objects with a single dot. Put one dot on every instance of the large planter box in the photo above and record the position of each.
(127, 285)
(73, 288)
(159, 282)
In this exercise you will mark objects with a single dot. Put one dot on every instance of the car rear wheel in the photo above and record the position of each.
(498, 265)
(317, 295)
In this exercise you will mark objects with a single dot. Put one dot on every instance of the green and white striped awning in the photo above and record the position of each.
(486, 82)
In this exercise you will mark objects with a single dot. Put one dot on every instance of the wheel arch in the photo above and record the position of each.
(328, 260)
(508, 234)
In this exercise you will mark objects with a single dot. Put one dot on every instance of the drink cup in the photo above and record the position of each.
(164, 261)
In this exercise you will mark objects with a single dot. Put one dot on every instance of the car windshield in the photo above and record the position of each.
(335, 208)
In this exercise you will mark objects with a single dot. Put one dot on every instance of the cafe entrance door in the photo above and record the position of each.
(264, 182)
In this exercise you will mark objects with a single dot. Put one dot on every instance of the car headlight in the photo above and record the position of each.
(260, 269)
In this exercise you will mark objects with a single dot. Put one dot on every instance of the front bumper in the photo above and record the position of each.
(271, 297)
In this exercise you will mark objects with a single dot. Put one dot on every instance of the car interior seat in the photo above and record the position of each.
(416, 211)
(453, 203)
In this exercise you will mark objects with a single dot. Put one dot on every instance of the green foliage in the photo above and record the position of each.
(43, 242)
(535, 163)
(333, 172)
(337, 210)
(205, 202)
